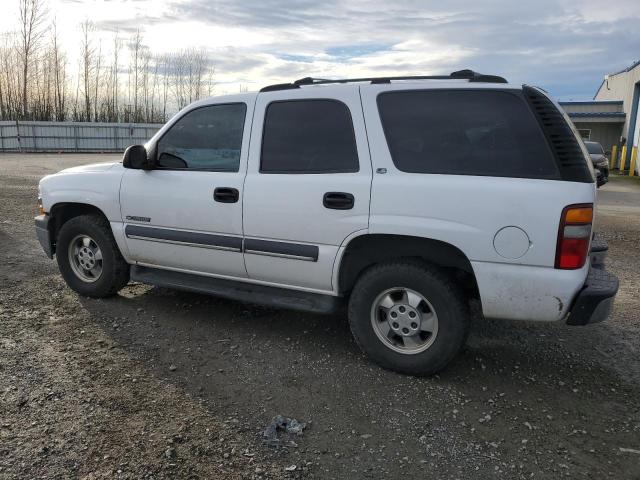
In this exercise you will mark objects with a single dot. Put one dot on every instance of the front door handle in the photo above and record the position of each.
(338, 200)
(226, 195)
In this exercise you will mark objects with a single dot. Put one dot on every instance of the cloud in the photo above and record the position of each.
(564, 46)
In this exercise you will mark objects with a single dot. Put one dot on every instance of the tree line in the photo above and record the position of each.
(126, 83)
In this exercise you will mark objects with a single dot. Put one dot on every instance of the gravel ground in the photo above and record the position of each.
(156, 383)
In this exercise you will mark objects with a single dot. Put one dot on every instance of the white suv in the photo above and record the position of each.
(404, 197)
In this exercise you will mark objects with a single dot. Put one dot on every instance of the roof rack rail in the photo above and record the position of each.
(459, 75)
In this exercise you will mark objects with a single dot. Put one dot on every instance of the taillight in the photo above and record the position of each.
(574, 236)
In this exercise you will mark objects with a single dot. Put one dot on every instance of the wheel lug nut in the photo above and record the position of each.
(414, 325)
(402, 309)
(394, 314)
(395, 325)
(412, 314)
(405, 330)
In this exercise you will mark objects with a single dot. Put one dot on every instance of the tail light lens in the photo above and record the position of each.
(574, 236)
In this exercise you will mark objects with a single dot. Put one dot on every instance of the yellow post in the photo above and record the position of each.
(632, 167)
(623, 157)
(612, 160)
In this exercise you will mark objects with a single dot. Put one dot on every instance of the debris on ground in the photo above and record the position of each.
(287, 425)
(629, 450)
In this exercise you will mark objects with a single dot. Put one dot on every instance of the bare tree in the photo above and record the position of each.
(59, 74)
(114, 101)
(37, 82)
(135, 52)
(166, 62)
(32, 17)
(87, 59)
(97, 83)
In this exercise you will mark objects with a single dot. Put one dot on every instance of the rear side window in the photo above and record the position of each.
(308, 136)
(465, 132)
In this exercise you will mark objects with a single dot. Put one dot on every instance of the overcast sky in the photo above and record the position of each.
(564, 46)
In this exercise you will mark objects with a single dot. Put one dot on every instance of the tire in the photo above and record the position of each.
(414, 352)
(113, 273)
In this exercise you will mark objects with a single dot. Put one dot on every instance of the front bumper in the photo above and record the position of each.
(43, 234)
(595, 301)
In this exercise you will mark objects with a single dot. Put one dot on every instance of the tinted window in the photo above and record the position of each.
(462, 132)
(308, 136)
(594, 147)
(207, 138)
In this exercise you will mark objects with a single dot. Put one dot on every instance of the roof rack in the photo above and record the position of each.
(459, 75)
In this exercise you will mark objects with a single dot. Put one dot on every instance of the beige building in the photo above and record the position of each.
(625, 86)
(613, 117)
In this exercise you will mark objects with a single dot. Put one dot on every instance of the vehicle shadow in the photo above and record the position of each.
(208, 338)
(251, 363)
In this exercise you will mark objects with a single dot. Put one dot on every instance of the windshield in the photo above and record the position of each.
(594, 147)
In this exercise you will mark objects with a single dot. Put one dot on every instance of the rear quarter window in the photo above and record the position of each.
(465, 132)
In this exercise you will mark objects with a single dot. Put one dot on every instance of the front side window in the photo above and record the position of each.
(308, 136)
(465, 132)
(207, 138)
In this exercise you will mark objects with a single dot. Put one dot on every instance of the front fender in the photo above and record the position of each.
(100, 189)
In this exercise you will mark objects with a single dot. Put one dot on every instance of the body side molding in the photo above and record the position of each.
(254, 246)
(281, 249)
(197, 239)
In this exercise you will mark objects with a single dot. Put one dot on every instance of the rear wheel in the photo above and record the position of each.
(408, 317)
(88, 257)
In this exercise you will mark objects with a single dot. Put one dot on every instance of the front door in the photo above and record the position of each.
(186, 214)
(307, 185)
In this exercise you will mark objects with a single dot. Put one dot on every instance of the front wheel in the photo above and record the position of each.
(88, 257)
(408, 317)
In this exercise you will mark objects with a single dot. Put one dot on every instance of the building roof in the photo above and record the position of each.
(597, 117)
(624, 70)
(597, 114)
(593, 102)
(628, 69)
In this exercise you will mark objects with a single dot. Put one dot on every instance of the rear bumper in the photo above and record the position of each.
(43, 234)
(595, 301)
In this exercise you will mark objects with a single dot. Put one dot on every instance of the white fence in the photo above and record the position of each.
(19, 136)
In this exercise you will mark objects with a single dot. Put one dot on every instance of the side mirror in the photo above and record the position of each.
(135, 156)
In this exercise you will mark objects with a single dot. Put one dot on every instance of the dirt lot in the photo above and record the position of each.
(161, 384)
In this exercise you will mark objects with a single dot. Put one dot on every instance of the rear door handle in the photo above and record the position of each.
(226, 195)
(338, 200)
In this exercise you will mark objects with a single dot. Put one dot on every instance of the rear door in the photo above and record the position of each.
(308, 184)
